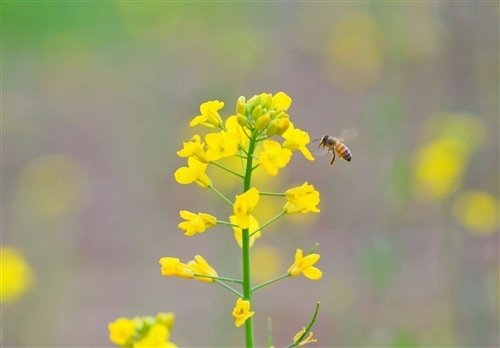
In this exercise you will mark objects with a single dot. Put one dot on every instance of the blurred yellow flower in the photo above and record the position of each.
(252, 226)
(243, 205)
(221, 145)
(296, 139)
(242, 312)
(55, 185)
(302, 199)
(356, 51)
(121, 331)
(477, 211)
(194, 172)
(200, 266)
(267, 262)
(304, 265)
(157, 336)
(209, 115)
(171, 266)
(193, 148)
(17, 276)
(196, 223)
(439, 166)
(274, 157)
(305, 340)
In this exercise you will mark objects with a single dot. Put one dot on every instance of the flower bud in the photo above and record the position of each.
(242, 120)
(272, 128)
(257, 112)
(283, 125)
(266, 100)
(262, 122)
(240, 106)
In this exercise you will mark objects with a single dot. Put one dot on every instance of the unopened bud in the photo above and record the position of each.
(242, 120)
(262, 122)
(283, 125)
(240, 105)
(257, 112)
(272, 128)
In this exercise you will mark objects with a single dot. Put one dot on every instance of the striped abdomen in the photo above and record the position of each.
(343, 151)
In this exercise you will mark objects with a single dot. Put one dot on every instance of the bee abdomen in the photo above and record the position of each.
(344, 152)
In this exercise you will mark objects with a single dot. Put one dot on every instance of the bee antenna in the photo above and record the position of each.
(315, 140)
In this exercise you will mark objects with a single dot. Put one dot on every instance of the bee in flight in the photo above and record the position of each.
(335, 144)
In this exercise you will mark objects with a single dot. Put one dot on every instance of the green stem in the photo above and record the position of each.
(227, 169)
(283, 276)
(218, 278)
(229, 288)
(220, 222)
(269, 333)
(269, 222)
(307, 329)
(247, 280)
(278, 194)
(221, 195)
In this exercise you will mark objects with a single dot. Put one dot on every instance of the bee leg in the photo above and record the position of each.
(333, 159)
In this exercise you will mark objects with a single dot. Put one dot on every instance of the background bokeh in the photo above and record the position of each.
(96, 100)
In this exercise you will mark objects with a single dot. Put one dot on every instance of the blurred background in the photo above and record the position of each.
(97, 98)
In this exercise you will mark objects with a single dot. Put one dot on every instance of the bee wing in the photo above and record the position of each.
(347, 134)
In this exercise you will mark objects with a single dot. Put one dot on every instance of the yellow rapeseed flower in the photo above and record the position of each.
(17, 276)
(281, 100)
(157, 336)
(296, 139)
(302, 199)
(221, 145)
(194, 172)
(477, 211)
(305, 340)
(171, 266)
(233, 126)
(121, 331)
(243, 205)
(200, 266)
(209, 114)
(252, 226)
(274, 157)
(242, 312)
(304, 265)
(193, 148)
(196, 223)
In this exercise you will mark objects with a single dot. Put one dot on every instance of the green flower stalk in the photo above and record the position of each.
(245, 135)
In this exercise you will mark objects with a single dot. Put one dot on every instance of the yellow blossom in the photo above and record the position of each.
(296, 139)
(209, 115)
(233, 126)
(171, 266)
(17, 276)
(196, 223)
(252, 226)
(242, 312)
(302, 199)
(274, 157)
(281, 100)
(121, 331)
(305, 340)
(221, 145)
(477, 211)
(194, 172)
(200, 266)
(157, 336)
(304, 265)
(193, 148)
(243, 205)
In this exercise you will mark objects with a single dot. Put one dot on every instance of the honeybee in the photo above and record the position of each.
(335, 144)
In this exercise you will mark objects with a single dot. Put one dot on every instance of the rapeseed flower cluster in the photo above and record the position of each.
(144, 331)
(261, 135)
